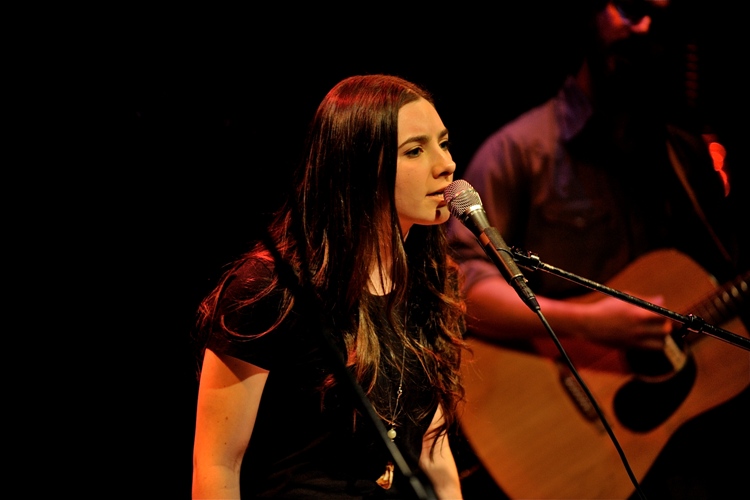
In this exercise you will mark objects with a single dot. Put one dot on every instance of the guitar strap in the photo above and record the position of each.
(680, 171)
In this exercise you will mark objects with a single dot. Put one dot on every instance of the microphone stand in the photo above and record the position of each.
(691, 322)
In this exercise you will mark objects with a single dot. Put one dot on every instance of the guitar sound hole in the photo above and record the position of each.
(641, 406)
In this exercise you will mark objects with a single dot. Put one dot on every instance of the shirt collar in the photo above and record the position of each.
(573, 109)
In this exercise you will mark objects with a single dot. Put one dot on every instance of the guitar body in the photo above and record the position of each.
(534, 439)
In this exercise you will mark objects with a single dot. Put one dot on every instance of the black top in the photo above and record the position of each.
(303, 446)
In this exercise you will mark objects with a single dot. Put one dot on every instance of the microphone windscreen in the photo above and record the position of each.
(460, 195)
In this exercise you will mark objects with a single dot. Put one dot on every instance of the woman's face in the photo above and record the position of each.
(424, 166)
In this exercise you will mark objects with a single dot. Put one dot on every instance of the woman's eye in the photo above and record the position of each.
(413, 153)
(446, 144)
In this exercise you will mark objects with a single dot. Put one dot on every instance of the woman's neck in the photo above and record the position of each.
(380, 282)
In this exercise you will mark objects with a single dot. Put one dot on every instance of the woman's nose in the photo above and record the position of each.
(447, 166)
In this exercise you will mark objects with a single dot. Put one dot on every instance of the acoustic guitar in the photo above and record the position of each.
(537, 434)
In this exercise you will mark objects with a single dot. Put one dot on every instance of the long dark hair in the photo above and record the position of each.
(339, 222)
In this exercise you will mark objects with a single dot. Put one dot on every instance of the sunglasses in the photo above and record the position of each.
(634, 10)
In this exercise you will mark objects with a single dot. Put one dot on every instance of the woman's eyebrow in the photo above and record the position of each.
(423, 138)
(416, 138)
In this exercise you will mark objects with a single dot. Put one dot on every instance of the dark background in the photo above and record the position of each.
(208, 116)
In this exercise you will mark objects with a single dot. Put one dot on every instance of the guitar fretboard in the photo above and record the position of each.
(725, 303)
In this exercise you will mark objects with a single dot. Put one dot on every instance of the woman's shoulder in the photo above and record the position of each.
(249, 275)
(257, 263)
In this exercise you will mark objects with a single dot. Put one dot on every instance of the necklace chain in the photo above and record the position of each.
(394, 413)
(386, 480)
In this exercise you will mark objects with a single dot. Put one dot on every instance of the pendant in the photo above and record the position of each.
(386, 479)
(391, 433)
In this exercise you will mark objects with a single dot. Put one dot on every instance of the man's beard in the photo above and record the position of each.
(628, 90)
(627, 75)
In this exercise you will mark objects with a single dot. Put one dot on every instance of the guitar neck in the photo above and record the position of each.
(725, 303)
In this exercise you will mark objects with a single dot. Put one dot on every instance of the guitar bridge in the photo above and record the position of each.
(580, 400)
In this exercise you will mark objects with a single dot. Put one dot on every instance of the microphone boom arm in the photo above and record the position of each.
(692, 322)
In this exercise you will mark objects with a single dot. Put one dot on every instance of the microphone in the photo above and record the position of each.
(465, 205)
